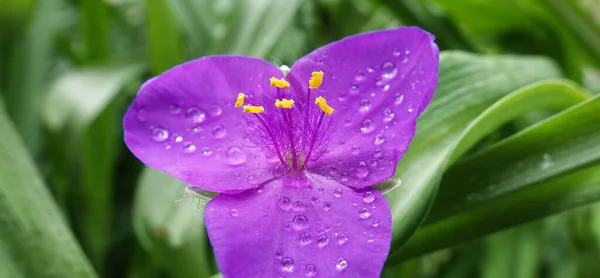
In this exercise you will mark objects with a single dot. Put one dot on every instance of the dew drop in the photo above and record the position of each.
(388, 115)
(278, 254)
(342, 238)
(323, 241)
(174, 109)
(369, 197)
(337, 193)
(216, 110)
(369, 69)
(310, 270)
(197, 115)
(235, 156)
(386, 87)
(188, 147)
(375, 223)
(305, 239)
(206, 151)
(365, 105)
(354, 89)
(233, 213)
(364, 213)
(284, 203)
(355, 150)
(360, 76)
(396, 52)
(160, 134)
(340, 263)
(327, 206)
(399, 99)
(298, 206)
(371, 238)
(379, 139)
(178, 139)
(219, 131)
(389, 70)
(287, 264)
(300, 221)
(411, 109)
(378, 153)
(362, 171)
(197, 128)
(367, 126)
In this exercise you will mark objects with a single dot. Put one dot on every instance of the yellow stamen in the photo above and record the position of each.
(322, 103)
(253, 109)
(284, 103)
(240, 100)
(279, 83)
(316, 79)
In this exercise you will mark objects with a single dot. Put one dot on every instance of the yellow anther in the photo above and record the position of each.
(316, 79)
(253, 109)
(322, 103)
(240, 100)
(279, 83)
(284, 103)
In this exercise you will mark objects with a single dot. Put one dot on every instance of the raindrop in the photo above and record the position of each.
(197, 129)
(369, 197)
(342, 97)
(188, 147)
(388, 115)
(233, 213)
(369, 69)
(371, 238)
(362, 171)
(278, 254)
(159, 134)
(310, 270)
(323, 241)
(206, 151)
(375, 223)
(342, 238)
(365, 105)
(411, 108)
(235, 156)
(367, 126)
(396, 52)
(355, 150)
(340, 263)
(300, 221)
(195, 114)
(547, 161)
(178, 139)
(168, 147)
(287, 264)
(399, 98)
(174, 109)
(386, 87)
(378, 153)
(337, 193)
(354, 89)
(364, 213)
(327, 206)
(389, 70)
(219, 131)
(344, 177)
(285, 203)
(379, 139)
(298, 206)
(305, 238)
(360, 76)
(216, 110)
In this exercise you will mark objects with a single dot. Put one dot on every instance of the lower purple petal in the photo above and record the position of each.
(321, 229)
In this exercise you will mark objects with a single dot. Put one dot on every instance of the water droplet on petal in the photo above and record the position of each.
(375, 223)
(178, 139)
(362, 171)
(216, 110)
(378, 153)
(367, 126)
(278, 254)
(341, 263)
(197, 115)
(233, 213)
(364, 213)
(298, 206)
(388, 115)
(379, 139)
(342, 238)
(411, 108)
(371, 238)
(360, 76)
(174, 109)
(188, 147)
(369, 197)
(285, 203)
(323, 241)
(235, 156)
(206, 151)
(160, 135)
(305, 238)
(389, 70)
(219, 131)
(386, 87)
(197, 128)
(365, 105)
(287, 264)
(399, 98)
(327, 227)
(354, 89)
(396, 52)
(327, 206)
(337, 193)
(310, 270)
(300, 221)
(355, 150)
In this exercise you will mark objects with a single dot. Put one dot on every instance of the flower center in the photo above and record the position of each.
(292, 132)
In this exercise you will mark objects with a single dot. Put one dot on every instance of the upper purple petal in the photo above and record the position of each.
(378, 83)
(324, 229)
(183, 122)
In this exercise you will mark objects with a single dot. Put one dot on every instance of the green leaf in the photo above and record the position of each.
(545, 169)
(34, 238)
(468, 85)
(164, 36)
(170, 226)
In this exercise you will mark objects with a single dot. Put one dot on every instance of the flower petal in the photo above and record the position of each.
(184, 122)
(325, 229)
(378, 83)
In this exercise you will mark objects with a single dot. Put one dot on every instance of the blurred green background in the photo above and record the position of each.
(500, 180)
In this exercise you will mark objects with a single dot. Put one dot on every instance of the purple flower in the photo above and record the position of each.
(293, 157)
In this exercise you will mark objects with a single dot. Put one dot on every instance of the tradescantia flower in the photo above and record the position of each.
(293, 153)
